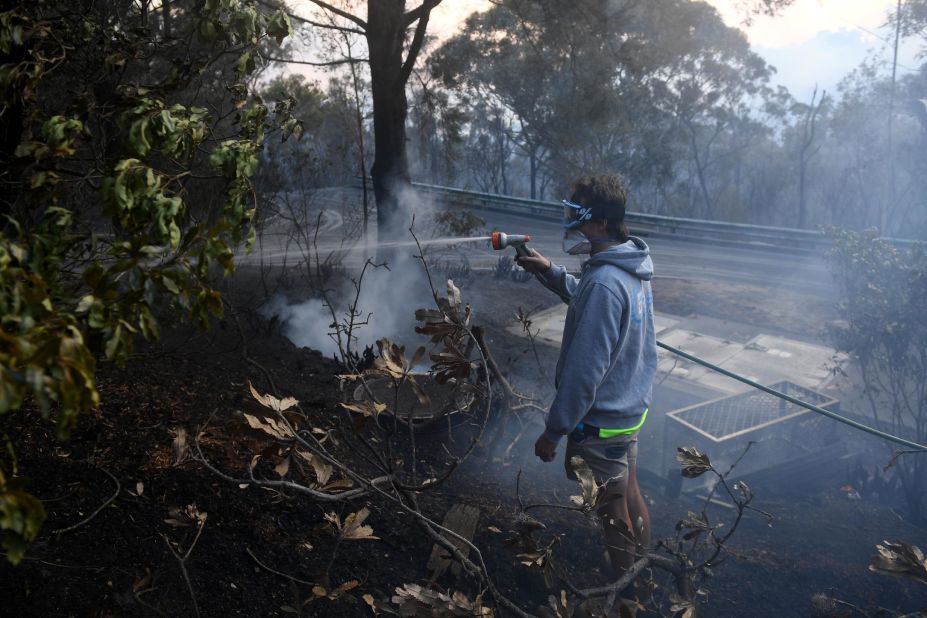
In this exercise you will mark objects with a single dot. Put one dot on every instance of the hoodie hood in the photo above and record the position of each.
(632, 256)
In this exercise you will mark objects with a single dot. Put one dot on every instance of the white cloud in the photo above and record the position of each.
(825, 59)
(803, 20)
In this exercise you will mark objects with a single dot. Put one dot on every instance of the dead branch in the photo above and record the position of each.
(244, 345)
(329, 63)
(318, 495)
(138, 599)
(524, 318)
(96, 512)
(275, 572)
(510, 394)
(60, 566)
(895, 456)
(182, 561)
(342, 13)
(625, 580)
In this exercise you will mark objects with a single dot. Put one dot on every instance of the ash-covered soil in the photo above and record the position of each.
(263, 552)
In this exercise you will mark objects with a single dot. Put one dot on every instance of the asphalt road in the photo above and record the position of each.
(687, 259)
(673, 257)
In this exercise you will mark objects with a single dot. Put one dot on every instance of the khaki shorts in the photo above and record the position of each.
(610, 459)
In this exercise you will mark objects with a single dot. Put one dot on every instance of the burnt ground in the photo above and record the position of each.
(119, 563)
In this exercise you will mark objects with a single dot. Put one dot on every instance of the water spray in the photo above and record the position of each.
(500, 241)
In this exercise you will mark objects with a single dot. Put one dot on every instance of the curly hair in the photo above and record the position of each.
(607, 195)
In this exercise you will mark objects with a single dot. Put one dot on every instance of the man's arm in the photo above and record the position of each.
(586, 361)
(553, 277)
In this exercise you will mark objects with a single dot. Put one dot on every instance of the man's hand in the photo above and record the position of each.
(545, 449)
(535, 263)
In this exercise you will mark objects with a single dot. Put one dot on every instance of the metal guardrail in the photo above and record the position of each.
(759, 236)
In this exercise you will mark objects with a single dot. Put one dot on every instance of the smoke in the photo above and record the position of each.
(387, 298)
(306, 324)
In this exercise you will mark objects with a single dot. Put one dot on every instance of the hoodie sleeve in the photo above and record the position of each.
(587, 360)
(559, 281)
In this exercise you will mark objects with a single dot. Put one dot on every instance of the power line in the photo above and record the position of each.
(832, 415)
(872, 33)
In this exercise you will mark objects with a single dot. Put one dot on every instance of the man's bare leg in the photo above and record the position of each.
(626, 540)
(638, 511)
(619, 538)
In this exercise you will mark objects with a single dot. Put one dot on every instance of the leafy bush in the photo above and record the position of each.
(884, 325)
(119, 195)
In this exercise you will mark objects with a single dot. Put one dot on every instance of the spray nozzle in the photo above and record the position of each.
(500, 241)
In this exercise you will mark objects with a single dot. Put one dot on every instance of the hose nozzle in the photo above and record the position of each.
(501, 240)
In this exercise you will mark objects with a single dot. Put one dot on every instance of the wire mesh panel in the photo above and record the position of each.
(735, 415)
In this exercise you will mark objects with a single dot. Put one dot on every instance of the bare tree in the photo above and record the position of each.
(806, 152)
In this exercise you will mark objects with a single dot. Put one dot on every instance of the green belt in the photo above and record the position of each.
(610, 433)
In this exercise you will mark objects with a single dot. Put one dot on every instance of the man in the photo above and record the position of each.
(608, 357)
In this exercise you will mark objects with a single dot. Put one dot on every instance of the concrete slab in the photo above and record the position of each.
(805, 364)
(713, 349)
(549, 324)
(765, 359)
(762, 358)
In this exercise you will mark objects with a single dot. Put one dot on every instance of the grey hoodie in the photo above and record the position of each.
(608, 357)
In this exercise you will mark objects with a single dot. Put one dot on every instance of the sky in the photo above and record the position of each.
(817, 42)
(813, 42)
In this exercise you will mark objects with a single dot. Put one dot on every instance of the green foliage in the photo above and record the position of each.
(21, 514)
(883, 325)
(884, 294)
(645, 83)
(118, 198)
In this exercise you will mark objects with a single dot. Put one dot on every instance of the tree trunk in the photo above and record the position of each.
(392, 184)
(166, 17)
(534, 174)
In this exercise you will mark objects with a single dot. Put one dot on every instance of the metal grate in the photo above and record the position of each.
(735, 415)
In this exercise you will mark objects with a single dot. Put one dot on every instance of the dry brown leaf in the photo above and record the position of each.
(695, 523)
(322, 470)
(900, 558)
(144, 582)
(339, 485)
(269, 426)
(391, 360)
(365, 407)
(180, 446)
(269, 401)
(345, 587)
(414, 600)
(354, 528)
(283, 467)
(453, 294)
(368, 599)
(188, 516)
(694, 463)
(417, 356)
(423, 399)
(591, 489)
